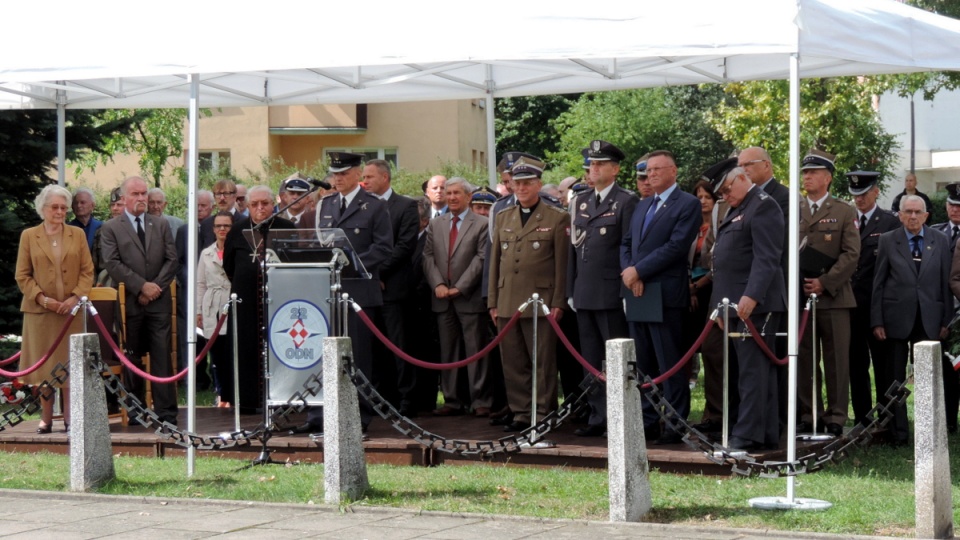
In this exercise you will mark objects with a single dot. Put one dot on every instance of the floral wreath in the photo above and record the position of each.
(13, 392)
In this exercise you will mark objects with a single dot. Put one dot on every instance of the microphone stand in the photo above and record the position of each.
(264, 457)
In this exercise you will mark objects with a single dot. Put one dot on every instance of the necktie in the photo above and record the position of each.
(650, 212)
(343, 205)
(598, 199)
(814, 208)
(140, 234)
(916, 248)
(863, 222)
(954, 236)
(453, 240)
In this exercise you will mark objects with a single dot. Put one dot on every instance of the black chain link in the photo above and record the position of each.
(473, 448)
(745, 465)
(31, 403)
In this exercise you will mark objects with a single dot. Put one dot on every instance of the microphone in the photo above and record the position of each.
(319, 183)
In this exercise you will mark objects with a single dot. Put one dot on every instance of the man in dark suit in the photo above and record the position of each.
(365, 221)
(138, 251)
(528, 255)
(600, 216)
(653, 255)
(746, 270)
(828, 257)
(872, 221)
(911, 292)
(394, 279)
(951, 382)
(453, 264)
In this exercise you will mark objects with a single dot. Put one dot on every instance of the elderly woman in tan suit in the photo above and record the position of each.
(54, 270)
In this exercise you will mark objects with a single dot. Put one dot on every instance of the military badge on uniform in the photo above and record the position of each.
(356, 231)
(536, 245)
(583, 206)
(505, 246)
(603, 230)
(828, 237)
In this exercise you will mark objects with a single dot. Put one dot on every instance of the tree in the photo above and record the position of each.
(640, 121)
(28, 151)
(157, 137)
(836, 115)
(523, 123)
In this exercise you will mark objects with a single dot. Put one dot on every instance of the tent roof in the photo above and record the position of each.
(118, 54)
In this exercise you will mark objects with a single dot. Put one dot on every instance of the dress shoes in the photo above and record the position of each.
(596, 430)
(44, 429)
(670, 437)
(447, 410)
(481, 412)
(305, 427)
(709, 426)
(501, 420)
(736, 443)
(513, 427)
(835, 429)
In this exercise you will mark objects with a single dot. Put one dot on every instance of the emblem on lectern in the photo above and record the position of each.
(296, 334)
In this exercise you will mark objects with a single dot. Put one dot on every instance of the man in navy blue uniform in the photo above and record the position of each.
(746, 269)
(872, 221)
(365, 221)
(653, 255)
(600, 216)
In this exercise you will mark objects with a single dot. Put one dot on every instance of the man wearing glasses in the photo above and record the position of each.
(225, 197)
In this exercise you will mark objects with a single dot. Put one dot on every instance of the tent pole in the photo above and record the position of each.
(793, 273)
(491, 132)
(193, 140)
(61, 136)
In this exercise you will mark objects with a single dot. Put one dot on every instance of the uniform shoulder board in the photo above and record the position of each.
(558, 209)
(334, 194)
(845, 203)
(763, 195)
(550, 200)
(504, 209)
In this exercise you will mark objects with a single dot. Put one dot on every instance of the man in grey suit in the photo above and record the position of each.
(911, 292)
(746, 269)
(138, 251)
(453, 265)
(600, 216)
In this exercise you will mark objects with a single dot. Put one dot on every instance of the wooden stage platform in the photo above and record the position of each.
(383, 444)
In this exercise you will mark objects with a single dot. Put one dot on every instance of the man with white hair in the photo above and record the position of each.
(83, 205)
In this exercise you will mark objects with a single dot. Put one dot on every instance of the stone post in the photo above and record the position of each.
(91, 456)
(627, 465)
(344, 465)
(934, 500)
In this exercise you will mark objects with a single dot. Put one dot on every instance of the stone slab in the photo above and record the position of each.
(91, 453)
(934, 498)
(345, 469)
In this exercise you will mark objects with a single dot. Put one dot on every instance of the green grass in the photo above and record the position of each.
(872, 493)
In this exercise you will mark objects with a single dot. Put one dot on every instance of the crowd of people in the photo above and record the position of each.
(449, 270)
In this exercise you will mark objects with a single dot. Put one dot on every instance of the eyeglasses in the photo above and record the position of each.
(222, 226)
(751, 162)
(913, 212)
(241, 198)
(725, 190)
(225, 193)
(651, 170)
(258, 204)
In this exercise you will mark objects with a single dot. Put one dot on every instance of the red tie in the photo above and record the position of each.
(453, 240)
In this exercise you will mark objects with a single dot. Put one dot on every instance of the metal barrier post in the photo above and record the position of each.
(533, 413)
(726, 372)
(234, 300)
(814, 402)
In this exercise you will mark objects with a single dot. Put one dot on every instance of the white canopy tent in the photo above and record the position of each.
(113, 54)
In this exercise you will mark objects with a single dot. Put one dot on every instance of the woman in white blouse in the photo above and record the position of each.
(213, 291)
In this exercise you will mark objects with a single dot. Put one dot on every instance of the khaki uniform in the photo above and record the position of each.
(833, 232)
(528, 259)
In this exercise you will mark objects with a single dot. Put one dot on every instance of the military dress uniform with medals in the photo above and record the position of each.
(525, 259)
(593, 275)
(830, 239)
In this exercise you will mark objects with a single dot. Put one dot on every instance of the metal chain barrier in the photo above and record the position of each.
(477, 448)
(31, 403)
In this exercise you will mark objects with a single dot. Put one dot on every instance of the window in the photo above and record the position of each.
(389, 154)
(214, 160)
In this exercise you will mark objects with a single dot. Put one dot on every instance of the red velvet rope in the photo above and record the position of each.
(152, 378)
(45, 357)
(10, 360)
(763, 344)
(573, 351)
(431, 365)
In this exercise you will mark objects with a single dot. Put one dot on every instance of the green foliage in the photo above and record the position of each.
(938, 212)
(408, 183)
(640, 121)
(524, 123)
(157, 138)
(28, 151)
(835, 115)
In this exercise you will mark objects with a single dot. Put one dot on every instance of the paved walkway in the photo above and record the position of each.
(66, 516)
